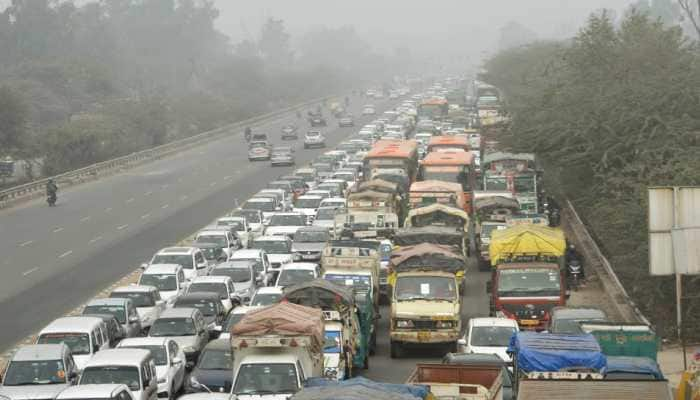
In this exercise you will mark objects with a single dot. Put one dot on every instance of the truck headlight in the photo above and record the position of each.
(404, 323)
(444, 324)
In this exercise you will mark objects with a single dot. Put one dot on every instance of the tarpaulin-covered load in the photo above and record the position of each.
(548, 352)
(319, 293)
(283, 319)
(437, 215)
(378, 185)
(442, 192)
(620, 367)
(359, 389)
(495, 207)
(527, 158)
(426, 255)
(429, 234)
(370, 195)
(526, 240)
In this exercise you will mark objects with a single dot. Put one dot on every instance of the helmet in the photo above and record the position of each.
(572, 247)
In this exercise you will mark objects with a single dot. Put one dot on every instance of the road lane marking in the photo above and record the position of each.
(57, 230)
(93, 240)
(144, 216)
(29, 271)
(165, 185)
(212, 184)
(165, 206)
(108, 209)
(85, 219)
(27, 243)
(149, 193)
(130, 200)
(184, 197)
(122, 227)
(66, 254)
(227, 177)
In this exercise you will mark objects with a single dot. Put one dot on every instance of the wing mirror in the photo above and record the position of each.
(133, 320)
(461, 342)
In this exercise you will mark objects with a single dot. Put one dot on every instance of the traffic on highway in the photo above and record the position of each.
(379, 245)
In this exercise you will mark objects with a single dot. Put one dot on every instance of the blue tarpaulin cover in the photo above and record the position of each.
(548, 352)
(318, 387)
(634, 365)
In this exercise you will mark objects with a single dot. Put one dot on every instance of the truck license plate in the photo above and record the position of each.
(529, 322)
(423, 336)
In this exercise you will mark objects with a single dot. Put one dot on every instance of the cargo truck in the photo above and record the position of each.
(459, 382)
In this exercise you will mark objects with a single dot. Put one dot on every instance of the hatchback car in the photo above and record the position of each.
(282, 156)
(314, 139)
(184, 325)
(122, 309)
(258, 151)
(488, 336)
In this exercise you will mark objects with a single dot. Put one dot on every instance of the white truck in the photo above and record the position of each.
(275, 350)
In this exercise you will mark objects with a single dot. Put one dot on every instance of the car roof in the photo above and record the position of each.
(232, 218)
(235, 264)
(276, 238)
(32, 352)
(143, 341)
(331, 199)
(212, 231)
(161, 269)
(269, 290)
(109, 301)
(313, 229)
(210, 278)
(300, 265)
(72, 324)
(259, 199)
(288, 214)
(243, 309)
(246, 253)
(492, 321)
(309, 197)
(118, 356)
(180, 312)
(134, 288)
(197, 296)
(101, 391)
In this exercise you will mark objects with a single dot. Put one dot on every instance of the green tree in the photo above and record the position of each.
(13, 120)
(274, 43)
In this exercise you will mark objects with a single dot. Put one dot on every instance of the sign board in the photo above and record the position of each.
(7, 167)
(674, 230)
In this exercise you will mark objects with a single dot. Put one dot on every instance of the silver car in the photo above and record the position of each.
(39, 371)
(282, 156)
(259, 151)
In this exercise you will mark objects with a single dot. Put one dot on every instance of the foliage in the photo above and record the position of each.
(13, 120)
(611, 112)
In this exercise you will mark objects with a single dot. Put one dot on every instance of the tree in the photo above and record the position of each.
(274, 43)
(692, 11)
(13, 120)
(513, 34)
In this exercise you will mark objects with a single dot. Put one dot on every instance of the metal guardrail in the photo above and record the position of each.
(612, 286)
(14, 195)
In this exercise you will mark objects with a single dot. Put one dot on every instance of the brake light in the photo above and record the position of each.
(243, 344)
(293, 343)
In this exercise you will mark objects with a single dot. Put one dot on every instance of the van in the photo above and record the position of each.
(96, 392)
(39, 371)
(84, 335)
(168, 278)
(134, 368)
(122, 309)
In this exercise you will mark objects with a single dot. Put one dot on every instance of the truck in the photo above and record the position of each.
(345, 321)
(354, 258)
(528, 275)
(428, 192)
(624, 339)
(425, 304)
(517, 173)
(491, 210)
(460, 382)
(360, 388)
(275, 350)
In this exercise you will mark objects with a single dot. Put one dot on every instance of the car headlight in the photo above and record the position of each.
(163, 379)
(189, 349)
(404, 323)
(444, 324)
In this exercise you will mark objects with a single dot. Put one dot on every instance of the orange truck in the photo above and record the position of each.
(454, 167)
(392, 154)
(445, 143)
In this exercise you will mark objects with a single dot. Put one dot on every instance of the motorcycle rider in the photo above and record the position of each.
(248, 132)
(573, 254)
(51, 190)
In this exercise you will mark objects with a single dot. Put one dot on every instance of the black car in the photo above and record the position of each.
(566, 320)
(214, 369)
(209, 304)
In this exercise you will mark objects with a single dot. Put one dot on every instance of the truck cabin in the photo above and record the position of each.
(401, 154)
(447, 143)
(451, 166)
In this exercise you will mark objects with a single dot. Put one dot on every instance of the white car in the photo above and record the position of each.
(266, 296)
(262, 263)
(488, 336)
(222, 285)
(325, 217)
(96, 392)
(168, 278)
(307, 205)
(297, 272)
(146, 299)
(314, 139)
(169, 359)
(220, 236)
(240, 225)
(286, 224)
(278, 249)
(191, 259)
(309, 176)
(266, 205)
(369, 110)
(334, 202)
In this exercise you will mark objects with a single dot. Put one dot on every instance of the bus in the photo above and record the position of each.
(451, 166)
(392, 154)
(444, 143)
(435, 109)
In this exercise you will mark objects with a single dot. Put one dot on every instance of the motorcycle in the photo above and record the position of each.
(574, 273)
(554, 218)
(51, 199)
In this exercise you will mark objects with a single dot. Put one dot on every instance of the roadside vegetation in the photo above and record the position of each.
(83, 83)
(611, 112)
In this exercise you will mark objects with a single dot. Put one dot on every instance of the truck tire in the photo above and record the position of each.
(396, 350)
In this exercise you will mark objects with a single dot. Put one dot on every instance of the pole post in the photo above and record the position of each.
(679, 282)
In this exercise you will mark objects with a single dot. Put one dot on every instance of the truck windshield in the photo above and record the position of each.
(518, 282)
(258, 379)
(37, 372)
(491, 336)
(425, 288)
(332, 343)
(524, 184)
(359, 283)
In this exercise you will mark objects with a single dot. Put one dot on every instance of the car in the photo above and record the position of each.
(146, 299)
(184, 325)
(283, 190)
(309, 242)
(565, 320)
(135, 368)
(169, 279)
(38, 371)
(233, 318)
(307, 205)
(123, 310)
(368, 110)
(259, 151)
(346, 121)
(221, 236)
(317, 120)
(213, 252)
(267, 206)
(266, 296)
(114, 330)
(209, 304)
(96, 392)
(191, 259)
(308, 174)
(347, 175)
(488, 336)
(336, 187)
(314, 139)
(254, 219)
(299, 186)
(297, 272)
(289, 131)
(85, 336)
(323, 170)
(325, 217)
(243, 275)
(278, 249)
(334, 202)
(282, 156)
(214, 368)
(240, 224)
(262, 263)
(169, 360)
(220, 284)
(285, 224)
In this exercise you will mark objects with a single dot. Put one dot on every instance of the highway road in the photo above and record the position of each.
(54, 259)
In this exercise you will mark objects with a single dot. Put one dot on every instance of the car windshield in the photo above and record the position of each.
(233, 319)
(255, 145)
(185, 260)
(518, 282)
(273, 246)
(303, 236)
(491, 336)
(128, 376)
(205, 306)
(236, 274)
(140, 299)
(287, 220)
(307, 176)
(307, 203)
(212, 253)
(347, 177)
(332, 342)
(334, 203)
(265, 299)
(264, 206)
(215, 287)
(219, 240)
(237, 226)
(425, 288)
(158, 352)
(79, 343)
(172, 327)
(164, 282)
(266, 379)
(252, 216)
(36, 372)
(326, 214)
(117, 311)
(289, 277)
(216, 359)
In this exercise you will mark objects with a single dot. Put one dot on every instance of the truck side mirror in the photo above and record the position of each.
(489, 287)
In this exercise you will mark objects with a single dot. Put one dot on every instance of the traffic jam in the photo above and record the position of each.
(282, 297)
